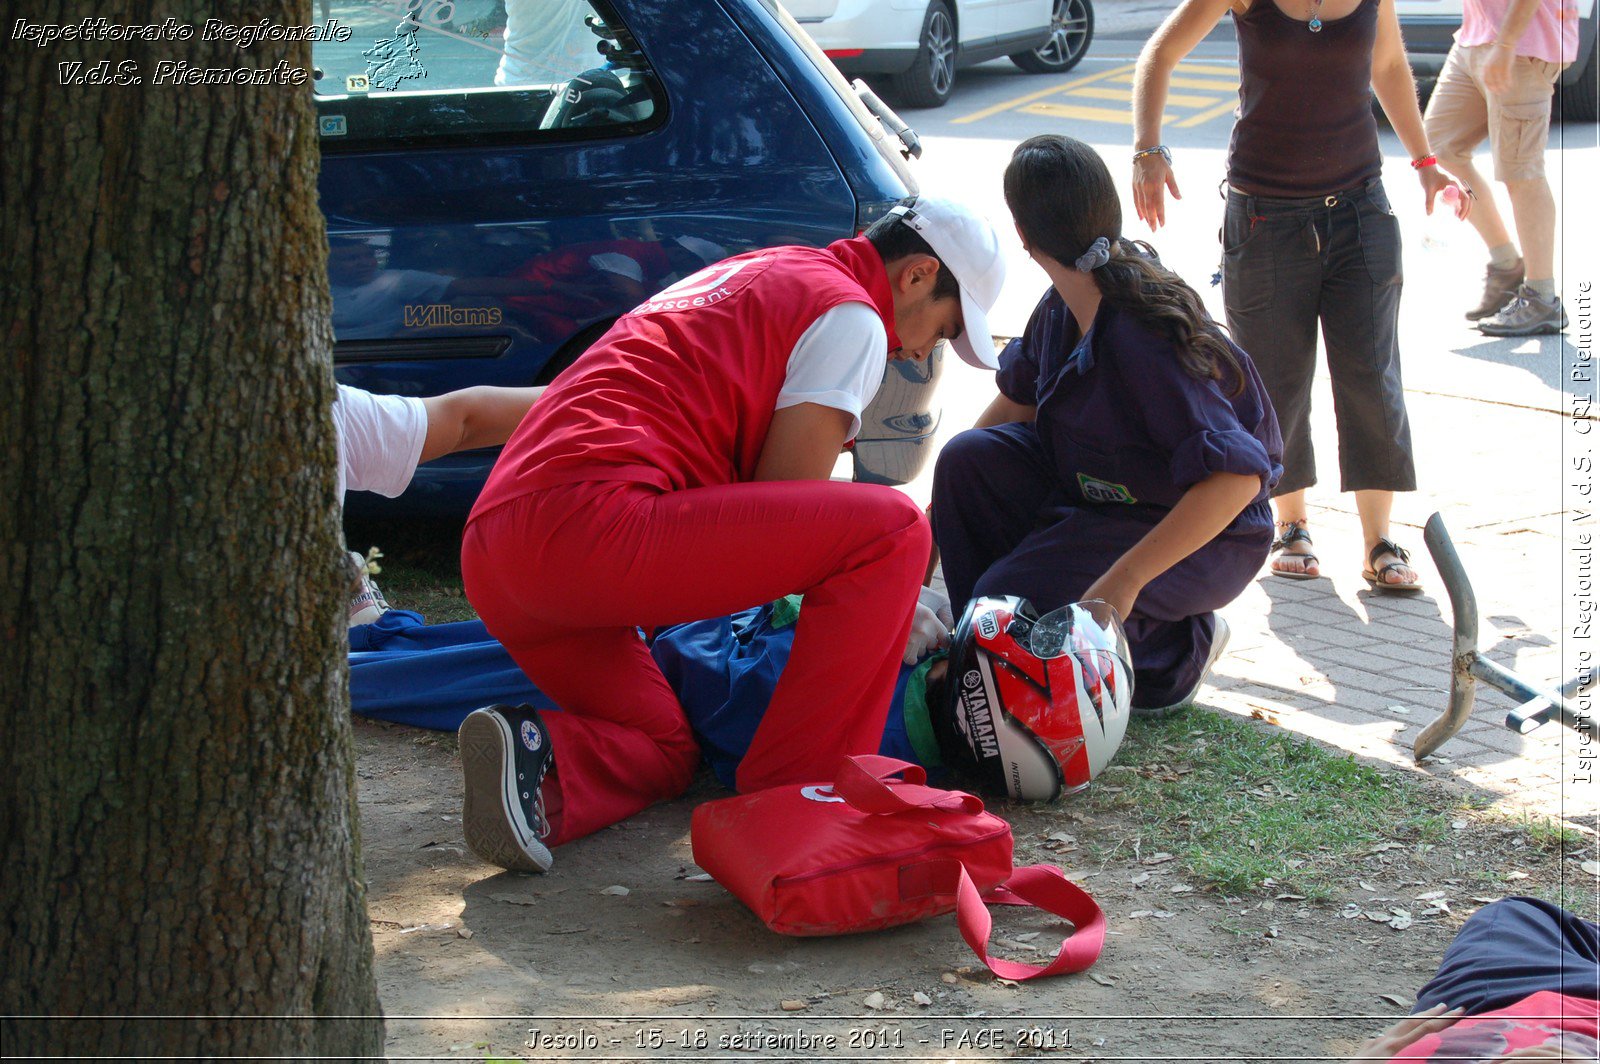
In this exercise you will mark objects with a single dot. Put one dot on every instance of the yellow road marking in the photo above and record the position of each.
(1205, 116)
(1101, 92)
(1054, 90)
(1207, 68)
(1194, 83)
(1087, 114)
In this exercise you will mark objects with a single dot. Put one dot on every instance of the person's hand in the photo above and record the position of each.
(1152, 179)
(1408, 1030)
(928, 634)
(939, 603)
(1116, 592)
(1497, 71)
(1434, 181)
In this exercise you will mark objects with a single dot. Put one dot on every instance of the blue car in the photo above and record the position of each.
(503, 178)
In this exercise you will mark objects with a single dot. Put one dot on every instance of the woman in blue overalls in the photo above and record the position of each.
(1131, 450)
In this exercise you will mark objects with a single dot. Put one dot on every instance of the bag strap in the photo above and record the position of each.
(1045, 887)
(864, 781)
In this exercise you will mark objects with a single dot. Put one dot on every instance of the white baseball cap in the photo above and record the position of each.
(966, 243)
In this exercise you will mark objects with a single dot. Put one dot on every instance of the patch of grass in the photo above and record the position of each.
(1547, 832)
(1247, 810)
(1573, 894)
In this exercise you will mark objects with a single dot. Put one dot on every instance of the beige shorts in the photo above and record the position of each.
(1517, 122)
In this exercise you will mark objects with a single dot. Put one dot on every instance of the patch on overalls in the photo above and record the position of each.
(1103, 490)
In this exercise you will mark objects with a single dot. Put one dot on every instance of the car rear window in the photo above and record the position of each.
(473, 70)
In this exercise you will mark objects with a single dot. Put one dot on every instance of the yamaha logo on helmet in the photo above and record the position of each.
(976, 718)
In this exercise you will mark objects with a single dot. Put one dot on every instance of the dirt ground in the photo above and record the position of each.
(477, 964)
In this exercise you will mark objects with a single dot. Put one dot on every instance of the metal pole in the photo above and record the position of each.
(1468, 666)
(1464, 606)
(1537, 711)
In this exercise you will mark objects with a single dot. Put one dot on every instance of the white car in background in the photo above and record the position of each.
(1429, 26)
(916, 46)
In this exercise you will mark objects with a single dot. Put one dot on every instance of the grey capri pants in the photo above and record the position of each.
(1290, 264)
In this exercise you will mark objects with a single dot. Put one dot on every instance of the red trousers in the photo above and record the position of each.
(564, 577)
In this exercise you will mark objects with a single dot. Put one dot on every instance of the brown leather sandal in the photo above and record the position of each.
(1374, 577)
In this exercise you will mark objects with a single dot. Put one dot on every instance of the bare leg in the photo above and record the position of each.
(1374, 507)
(1535, 211)
(1485, 216)
(1291, 510)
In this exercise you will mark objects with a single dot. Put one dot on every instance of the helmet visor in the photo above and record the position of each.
(1090, 639)
(1080, 627)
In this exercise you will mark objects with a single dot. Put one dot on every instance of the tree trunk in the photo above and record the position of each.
(182, 868)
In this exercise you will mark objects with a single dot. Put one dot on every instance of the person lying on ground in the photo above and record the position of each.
(1518, 983)
(1026, 723)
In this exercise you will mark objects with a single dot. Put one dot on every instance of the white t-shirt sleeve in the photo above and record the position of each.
(838, 362)
(380, 440)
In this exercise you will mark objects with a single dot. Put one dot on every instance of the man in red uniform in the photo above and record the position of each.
(679, 470)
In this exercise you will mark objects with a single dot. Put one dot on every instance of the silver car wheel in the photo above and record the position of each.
(1069, 25)
(941, 52)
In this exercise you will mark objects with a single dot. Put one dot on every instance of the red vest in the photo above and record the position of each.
(680, 392)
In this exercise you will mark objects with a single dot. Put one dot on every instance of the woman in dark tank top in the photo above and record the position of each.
(1309, 239)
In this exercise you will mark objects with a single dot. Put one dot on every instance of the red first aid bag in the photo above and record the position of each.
(877, 848)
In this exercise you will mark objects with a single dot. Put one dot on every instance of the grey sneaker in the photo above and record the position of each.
(505, 753)
(1498, 288)
(1526, 315)
(367, 603)
(1219, 643)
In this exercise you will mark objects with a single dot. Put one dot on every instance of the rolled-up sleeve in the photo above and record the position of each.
(1219, 451)
(1018, 377)
(1189, 418)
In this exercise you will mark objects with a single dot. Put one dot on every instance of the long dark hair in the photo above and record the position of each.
(1062, 198)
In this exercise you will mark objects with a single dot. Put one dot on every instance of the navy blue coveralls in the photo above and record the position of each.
(1042, 509)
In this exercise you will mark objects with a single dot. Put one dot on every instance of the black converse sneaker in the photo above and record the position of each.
(505, 754)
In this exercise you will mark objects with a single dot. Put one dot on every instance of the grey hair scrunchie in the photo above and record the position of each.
(1098, 255)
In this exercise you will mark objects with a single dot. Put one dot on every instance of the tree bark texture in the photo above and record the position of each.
(182, 869)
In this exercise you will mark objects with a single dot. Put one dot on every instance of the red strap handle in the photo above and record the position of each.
(1045, 887)
(864, 781)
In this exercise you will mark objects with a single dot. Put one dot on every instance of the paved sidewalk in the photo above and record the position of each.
(1367, 672)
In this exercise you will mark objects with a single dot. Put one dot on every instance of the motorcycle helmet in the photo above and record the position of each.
(1037, 706)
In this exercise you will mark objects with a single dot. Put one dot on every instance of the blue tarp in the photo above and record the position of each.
(432, 675)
